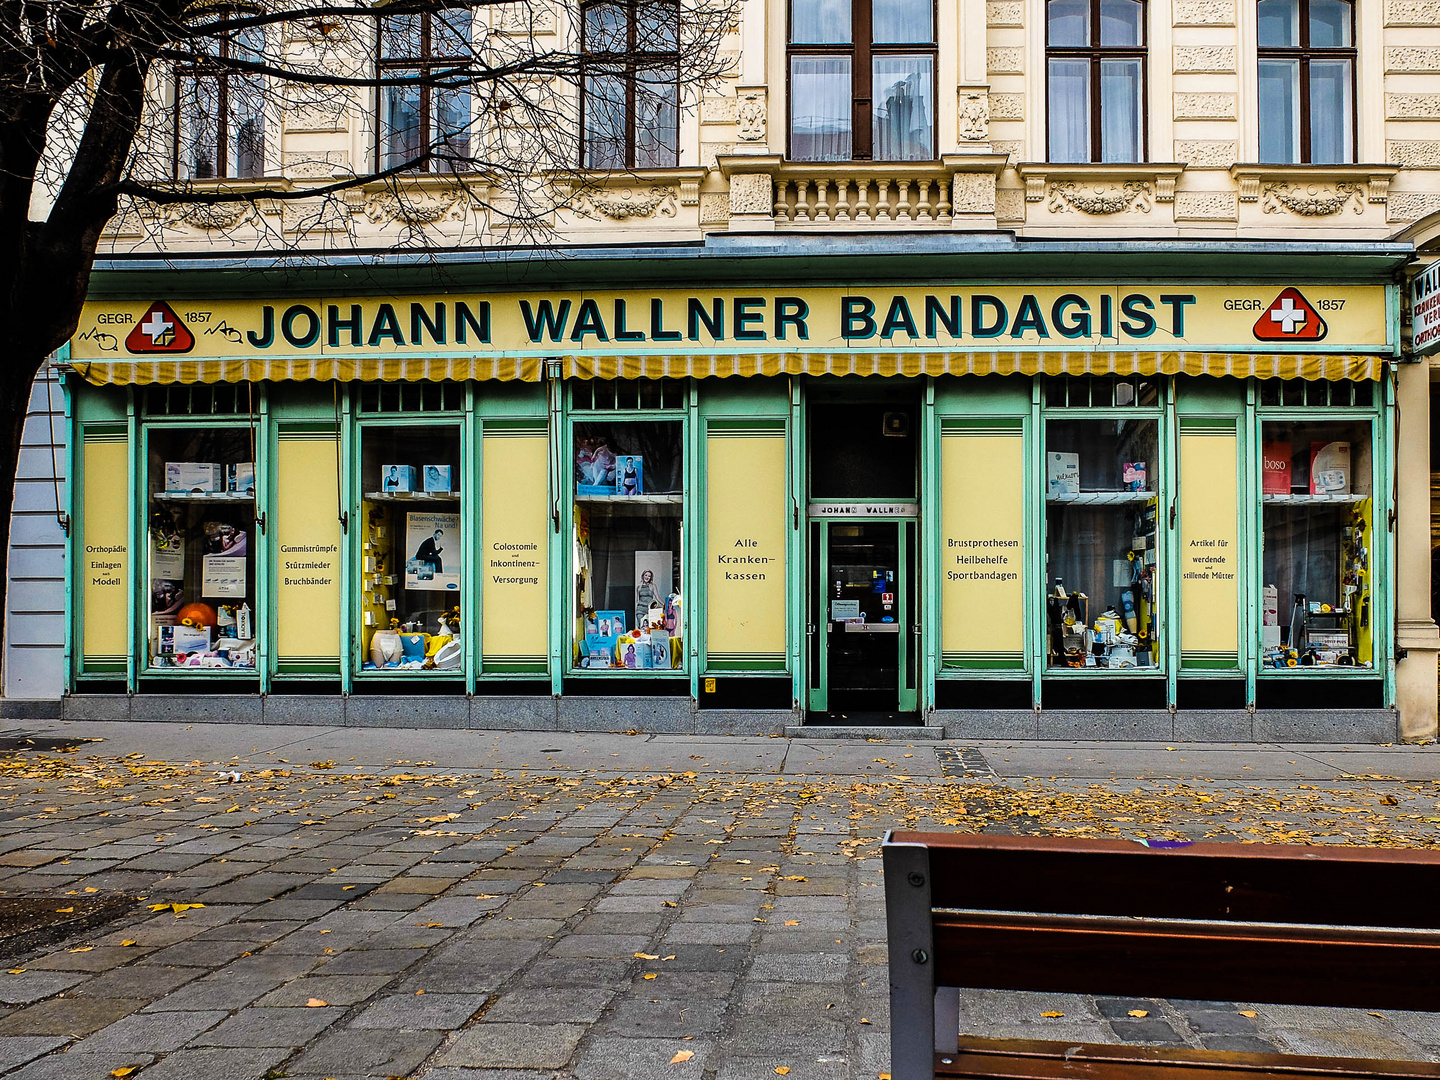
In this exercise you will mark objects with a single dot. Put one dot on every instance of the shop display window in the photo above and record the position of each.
(202, 539)
(628, 483)
(1102, 607)
(1316, 488)
(412, 558)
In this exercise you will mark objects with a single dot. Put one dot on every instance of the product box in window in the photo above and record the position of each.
(397, 477)
(1275, 468)
(1132, 475)
(437, 479)
(1330, 468)
(195, 477)
(1063, 473)
(240, 478)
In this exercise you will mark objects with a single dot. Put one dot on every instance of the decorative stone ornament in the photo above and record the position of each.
(626, 203)
(1312, 200)
(750, 115)
(1100, 199)
(974, 115)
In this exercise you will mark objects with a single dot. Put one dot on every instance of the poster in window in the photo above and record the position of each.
(432, 552)
(653, 579)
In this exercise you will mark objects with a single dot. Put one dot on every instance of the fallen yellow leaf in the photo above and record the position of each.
(647, 956)
(796, 877)
(64, 910)
(316, 1003)
(91, 888)
(1380, 1015)
(650, 975)
(792, 922)
(124, 1070)
(1139, 1012)
(82, 948)
(1248, 1012)
(17, 971)
(883, 1076)
(783, 1070)
(863, 1020)
(668, 903)
(1051, 1015)
(682, 1055)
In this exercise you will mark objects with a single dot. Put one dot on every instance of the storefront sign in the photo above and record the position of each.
(1425, 310)
(1209, 546)
(103, 551)
(308, 608)
(982, 543)
(1070, 316)
(864, 509)
(747, 507)
(515, 531)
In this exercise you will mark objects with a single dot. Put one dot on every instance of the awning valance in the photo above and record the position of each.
(1356, 367)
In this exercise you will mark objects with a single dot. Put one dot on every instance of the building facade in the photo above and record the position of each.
(1013, 369)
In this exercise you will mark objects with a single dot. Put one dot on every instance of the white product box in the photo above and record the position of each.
(194, 476)
(1270, 606)
(1063, 472)
(240, 478)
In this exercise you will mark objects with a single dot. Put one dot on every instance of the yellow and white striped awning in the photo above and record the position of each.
(1356, 367)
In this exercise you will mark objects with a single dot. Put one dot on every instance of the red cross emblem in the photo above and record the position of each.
(160, 330)
(1290, 318)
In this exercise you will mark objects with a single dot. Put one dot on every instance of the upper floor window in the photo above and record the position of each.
(1307, 81)
(862, 80)
(631, 99)
(1095, 67)
(220, 109)
(420, 110)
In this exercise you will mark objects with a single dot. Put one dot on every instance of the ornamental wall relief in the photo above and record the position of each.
(974, 115)
(1312, 200)
(1100, 199)
(624, 203)
(750, 115)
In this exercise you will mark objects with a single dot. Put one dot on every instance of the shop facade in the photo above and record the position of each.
(1022, 504)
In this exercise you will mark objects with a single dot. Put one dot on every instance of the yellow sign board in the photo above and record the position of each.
(747, 509)
(1209, 546)
(308, 541)
(515, 523)
(105, 550)
(982, 544)
(940, 316)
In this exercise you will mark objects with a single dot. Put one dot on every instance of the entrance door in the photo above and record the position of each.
(862, 615)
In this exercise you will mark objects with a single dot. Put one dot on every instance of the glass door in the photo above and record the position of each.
(862, 641)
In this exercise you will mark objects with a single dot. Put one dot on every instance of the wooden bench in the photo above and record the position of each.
(1293, 925)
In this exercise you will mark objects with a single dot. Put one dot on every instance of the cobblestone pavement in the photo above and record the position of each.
(593, 907)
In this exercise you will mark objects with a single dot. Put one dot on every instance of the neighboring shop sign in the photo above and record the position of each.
(1210, 553)
(515, 531)
(747, 508)
(308, 545)
(103, 551)
(864, 509)
(1425, 310)
(1073, 316)
(982, 543)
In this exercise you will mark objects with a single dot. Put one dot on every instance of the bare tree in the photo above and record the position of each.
(139, 111)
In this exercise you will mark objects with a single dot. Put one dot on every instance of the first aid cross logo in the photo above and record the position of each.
(160, 330)
(1290, 317)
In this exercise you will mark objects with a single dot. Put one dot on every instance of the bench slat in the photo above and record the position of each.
(1314, 966)
(1033, 1059)
(1244, 882)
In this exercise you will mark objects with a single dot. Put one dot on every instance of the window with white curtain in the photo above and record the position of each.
(420, 110)
(1095, 80)
(631, 89)
(220, 108)
(862, 80)
(1307, 81)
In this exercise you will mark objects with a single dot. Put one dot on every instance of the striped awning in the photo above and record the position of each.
(399, 368)
(1238, 365)
(338, 368)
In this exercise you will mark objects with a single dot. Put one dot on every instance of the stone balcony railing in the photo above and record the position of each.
(769, 192)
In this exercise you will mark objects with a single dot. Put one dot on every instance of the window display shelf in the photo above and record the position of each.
(1310, 500)
(413, 496)
(1101, 498)
(638, 500)
(204, 496)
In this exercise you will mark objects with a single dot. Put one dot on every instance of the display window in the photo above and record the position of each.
(412, 559)
(1102, 599)
(628, 483)
(202, 539)
(1318, 544)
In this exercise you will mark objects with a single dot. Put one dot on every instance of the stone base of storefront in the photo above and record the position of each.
(677, 715)
(1192, 725)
